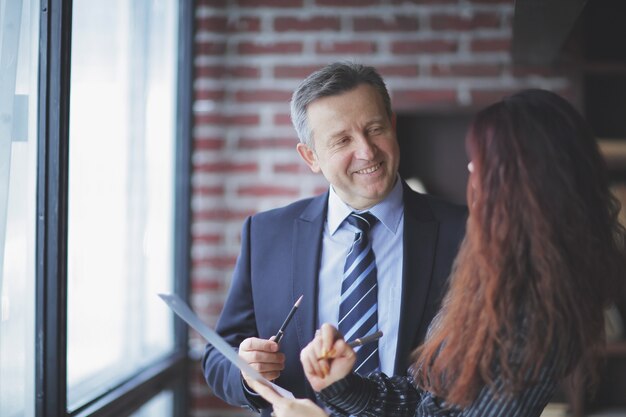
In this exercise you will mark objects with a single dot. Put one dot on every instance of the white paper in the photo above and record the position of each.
(184, 312)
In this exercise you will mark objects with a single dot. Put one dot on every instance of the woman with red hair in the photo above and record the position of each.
(543, 256)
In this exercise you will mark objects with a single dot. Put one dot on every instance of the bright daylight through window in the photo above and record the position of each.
(19, 28)
(121, 191)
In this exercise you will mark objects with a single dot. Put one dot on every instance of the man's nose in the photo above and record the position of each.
(366, 149)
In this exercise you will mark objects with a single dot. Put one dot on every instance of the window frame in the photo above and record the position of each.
(171, 372)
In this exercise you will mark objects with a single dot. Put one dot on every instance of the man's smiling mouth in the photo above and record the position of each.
(369, 170)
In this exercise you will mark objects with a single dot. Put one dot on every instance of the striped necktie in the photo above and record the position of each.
(358, 309)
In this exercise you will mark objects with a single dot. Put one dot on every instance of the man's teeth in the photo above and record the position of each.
(369, 170)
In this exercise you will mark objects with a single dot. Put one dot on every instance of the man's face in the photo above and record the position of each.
(355, 145)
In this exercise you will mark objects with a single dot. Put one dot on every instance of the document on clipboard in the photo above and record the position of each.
(184, 312)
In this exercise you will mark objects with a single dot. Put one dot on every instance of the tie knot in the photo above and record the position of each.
(362, 221)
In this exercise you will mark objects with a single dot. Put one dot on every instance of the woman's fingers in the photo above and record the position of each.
(266, 392)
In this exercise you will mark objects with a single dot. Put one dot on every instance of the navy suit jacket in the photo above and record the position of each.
(279, 261)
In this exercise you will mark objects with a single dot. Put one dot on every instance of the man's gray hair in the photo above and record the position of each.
(332, 80)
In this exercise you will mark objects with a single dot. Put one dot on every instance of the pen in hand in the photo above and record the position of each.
(281, 331)
(356, 342)
(363, 340)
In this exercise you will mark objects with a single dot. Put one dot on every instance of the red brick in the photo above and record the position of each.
(463, 23)
(221, 71)
(262, 96)
(294, 71)
(226, 120)
(285, 24)
(221, 214)
(282, 119)
(268, 191)
(267, 143)
(196, 377)
(209, 119)
(211, 144)
(466, 70)
(420, 98)
(211, 3)
(227, 167)
(208, 402)
(398, 70)
(206, 285)
(209, 71)
(529, 71)
(212, 24)
(205, 94)
(205, 190)
(383, 24)
(320, 190)
(511, 2)
(424, 46)
(294, 168)
(490, 45)
(347, 47)
(485, 97)
(422, 2)
(210, 48)
(215, 261)
(347, 3)
(243, 119)
(269, 3)
(228, 24)
(254, 48)
(210, 311)
(242, 72)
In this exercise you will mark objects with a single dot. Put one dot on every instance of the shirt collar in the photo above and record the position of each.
(388, 211)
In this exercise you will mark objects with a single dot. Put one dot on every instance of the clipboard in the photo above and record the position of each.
(183, 311)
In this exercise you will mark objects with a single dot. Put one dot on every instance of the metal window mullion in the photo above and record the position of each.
(182, 210)
(52, 192)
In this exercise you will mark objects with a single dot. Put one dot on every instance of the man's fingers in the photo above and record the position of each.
(256, 356)
(254, 343)
(266, 392)
(267, 367)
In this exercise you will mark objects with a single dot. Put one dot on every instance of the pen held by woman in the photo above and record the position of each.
(356, 342)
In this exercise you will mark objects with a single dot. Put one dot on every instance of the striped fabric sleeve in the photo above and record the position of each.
(380, 395)
(377, 395)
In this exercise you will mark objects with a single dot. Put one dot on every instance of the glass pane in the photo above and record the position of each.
(160, 406)
(19, 37)
(121, 190)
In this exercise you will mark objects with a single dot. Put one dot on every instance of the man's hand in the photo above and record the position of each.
(263, 356)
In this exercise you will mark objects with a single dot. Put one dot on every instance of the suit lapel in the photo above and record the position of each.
(420, 238)
(307, 237)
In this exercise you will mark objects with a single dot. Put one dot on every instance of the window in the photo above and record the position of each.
(95, 104)
(121, 191)
(162, 405)
(18, 172)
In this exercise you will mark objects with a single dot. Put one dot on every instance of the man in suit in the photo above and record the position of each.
(343, 117)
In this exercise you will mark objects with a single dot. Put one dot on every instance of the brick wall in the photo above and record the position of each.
(249, 57)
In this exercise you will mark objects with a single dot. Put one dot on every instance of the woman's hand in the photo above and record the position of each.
(327, 358)
(285, 407)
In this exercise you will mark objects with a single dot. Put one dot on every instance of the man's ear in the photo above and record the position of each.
(393, 121)
(309, 157)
